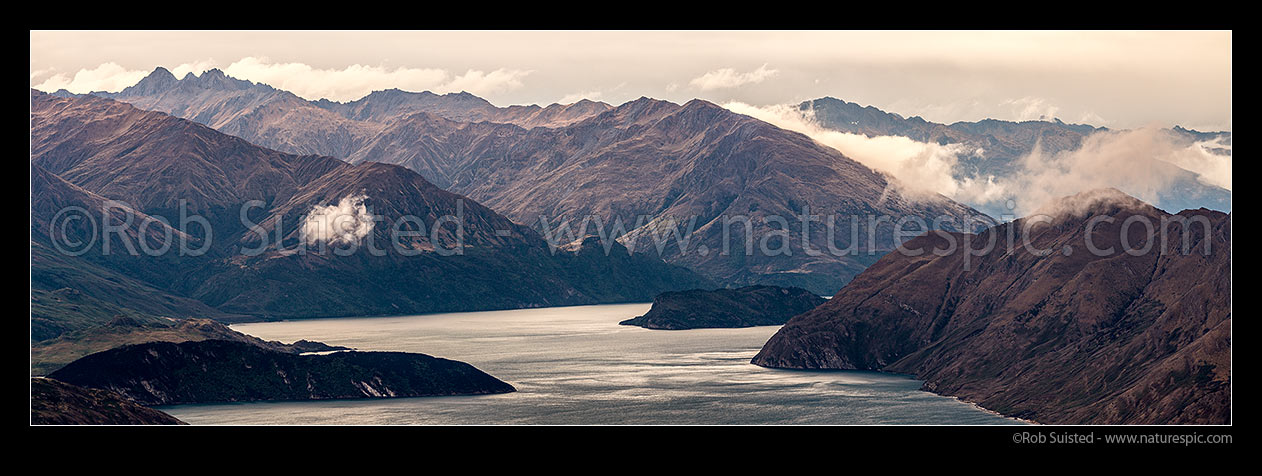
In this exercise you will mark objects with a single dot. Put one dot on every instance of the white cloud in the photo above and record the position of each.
(919, 167)
(196, 67)
(1141, 162)
(482, 83)
(729, 78)
(106, 77)
(1031, 108)
(576, 97)
(1211, 168)
(356, 81)
(347, 222)
(349, 83)
(1090, 117)
(40, 73)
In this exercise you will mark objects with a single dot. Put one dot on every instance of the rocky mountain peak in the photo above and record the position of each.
(159, 80)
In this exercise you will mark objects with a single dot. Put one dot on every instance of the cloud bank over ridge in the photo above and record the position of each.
(1143, 162)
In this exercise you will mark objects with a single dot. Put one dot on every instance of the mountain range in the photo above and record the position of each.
(166, 169)
(648, 165)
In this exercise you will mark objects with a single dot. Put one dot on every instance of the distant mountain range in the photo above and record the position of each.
(1004, 143)
(645, 163)
(85, 149)
(281, 120)
(1070, 336)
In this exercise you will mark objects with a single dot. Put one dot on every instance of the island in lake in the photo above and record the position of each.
(742, 307)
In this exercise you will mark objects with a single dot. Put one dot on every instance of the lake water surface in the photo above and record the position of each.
(576, 365)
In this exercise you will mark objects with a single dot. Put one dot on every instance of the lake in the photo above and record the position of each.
(576, 365)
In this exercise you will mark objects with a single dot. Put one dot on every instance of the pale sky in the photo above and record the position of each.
(1114, 79)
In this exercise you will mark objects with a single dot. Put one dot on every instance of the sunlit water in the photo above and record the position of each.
(576, 365)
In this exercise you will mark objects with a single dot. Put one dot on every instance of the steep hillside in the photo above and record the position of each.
(59, 403)
(1069, 336)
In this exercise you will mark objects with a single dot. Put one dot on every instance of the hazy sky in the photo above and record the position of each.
(1115, 79)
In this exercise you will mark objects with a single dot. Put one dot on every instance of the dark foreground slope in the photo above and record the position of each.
(59, 403)
(50, 355)
(162, 373)
(1066, 337)
(742, 307)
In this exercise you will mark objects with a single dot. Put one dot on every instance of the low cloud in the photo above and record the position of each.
(576, 97)
(918, 167)
(356, 81)
(346, 222)
(728, 78)
(1031, 108)
(1143, 162)
(1212, 168)
(106, 77)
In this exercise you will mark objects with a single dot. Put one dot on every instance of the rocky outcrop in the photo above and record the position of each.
(59, 403)
(162, 373)
(741, 307)
(1063, 336)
